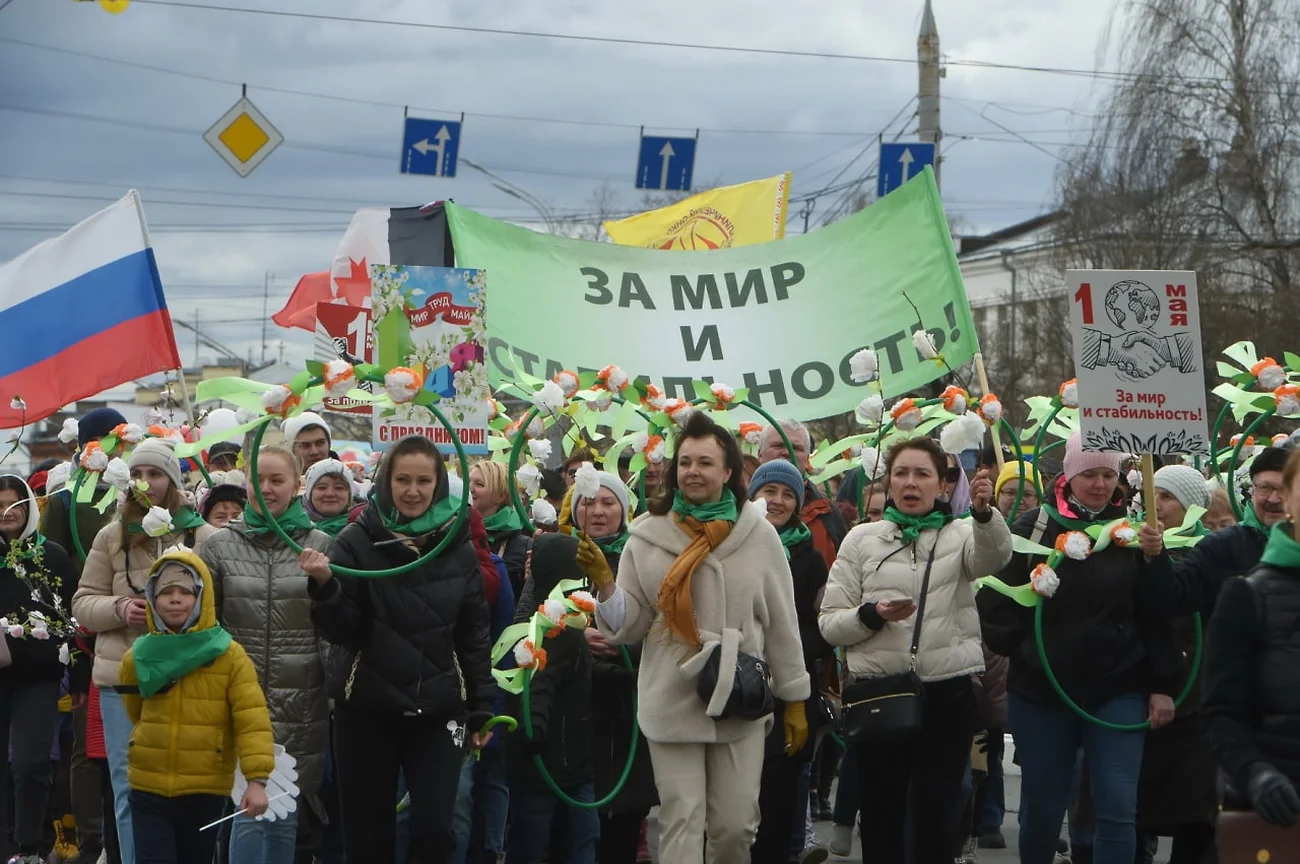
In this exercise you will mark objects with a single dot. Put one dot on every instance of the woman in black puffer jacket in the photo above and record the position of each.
(411, 678)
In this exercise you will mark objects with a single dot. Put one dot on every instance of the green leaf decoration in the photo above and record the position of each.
(1243, 353)
(586, 380)
(316, 368)
(1292, 361)
(742, 394)
(1227, 370)
(638, 462)
(827, 453)
(299, 383)
(702, 390)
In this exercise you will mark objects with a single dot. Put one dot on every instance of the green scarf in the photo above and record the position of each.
(161, 658)
(792, 535)
(294, 518)
(1074, 524)
(1282, 549)
(442, 512)
(613, 545)
(503, 521)
(724, 509)
(913, 525)
(183, 519)
(332, 525)
(1252, 518)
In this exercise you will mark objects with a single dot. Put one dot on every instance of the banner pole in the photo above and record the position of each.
(185, 396)
(997, 434)
(1149, 489)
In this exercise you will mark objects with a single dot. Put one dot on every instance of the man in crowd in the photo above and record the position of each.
(309, 436)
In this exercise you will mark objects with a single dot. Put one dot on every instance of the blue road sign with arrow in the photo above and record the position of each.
(430, 147)
(665, 164)
(900, 162)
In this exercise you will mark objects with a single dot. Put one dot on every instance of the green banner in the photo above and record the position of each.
(781, 318)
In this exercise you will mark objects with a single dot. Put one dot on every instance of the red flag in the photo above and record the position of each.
(300, 311)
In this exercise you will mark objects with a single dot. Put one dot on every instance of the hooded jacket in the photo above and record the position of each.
(187, 736)
(35, 659)
(110, 573)
(261, 599)
(744, 601)
(417, 643)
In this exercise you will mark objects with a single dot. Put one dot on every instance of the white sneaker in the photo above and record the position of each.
(841, 844)
(971, 854)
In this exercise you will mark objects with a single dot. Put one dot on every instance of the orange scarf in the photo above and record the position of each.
(675, 602)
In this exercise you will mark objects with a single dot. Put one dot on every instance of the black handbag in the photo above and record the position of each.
(889, 709)
(750, 697)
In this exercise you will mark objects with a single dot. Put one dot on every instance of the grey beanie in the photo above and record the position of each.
(1184, 483)
(158, 453)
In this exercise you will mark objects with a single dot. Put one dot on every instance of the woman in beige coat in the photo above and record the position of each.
(704, 571)
(871, 607)
(110, 598)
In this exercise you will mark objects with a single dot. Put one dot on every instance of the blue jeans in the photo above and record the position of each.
(257, 841)
(462, 820)
(533, 811)
(117, 735)
(490, 803)
(1048, 737)
(992, 808)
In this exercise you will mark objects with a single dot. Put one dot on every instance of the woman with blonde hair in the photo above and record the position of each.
(489, 489)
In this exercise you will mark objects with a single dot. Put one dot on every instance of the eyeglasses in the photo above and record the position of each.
(1268, 490)
(572, 472)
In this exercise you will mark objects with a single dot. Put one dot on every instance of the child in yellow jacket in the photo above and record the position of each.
(193, 698)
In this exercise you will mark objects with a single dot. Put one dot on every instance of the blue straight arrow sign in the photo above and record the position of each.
(900, 162)
(665, 163)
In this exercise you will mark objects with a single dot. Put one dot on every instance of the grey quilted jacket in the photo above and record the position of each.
(261, 597)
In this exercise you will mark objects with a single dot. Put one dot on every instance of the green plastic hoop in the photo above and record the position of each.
(1236, 459)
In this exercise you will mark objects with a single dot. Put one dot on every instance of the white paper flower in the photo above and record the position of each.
(94, 458)
(17, 631)
(654, 450)
(540, 448)
(760, 504)
(567, 382)
(612, 378)
(402, 384)
(1124, 535)
(722, 393)
(58, 477)
(1286, 400)
(17, 404)
(873, 464)
(990, 409)
(924, 345)
(529, 477)
(864, 366)
(1075, 545)
(1271, 376)
(964, 433)
(157, 522)
(554, 610)
(274, 399)
(339, 377)
(1134, 478)
(603, 400)
(64, 657)
(871, 411)
(528, 655)
(131, 433)
(654, 399)
(587, 481)
(679, 411)
(40, 631)
(1070, 393)
(543, 512)
(535, 429)
(243, 415)
(906, 415)
(550, 398)
(117, 473)
(1044, 580)
(68, 433)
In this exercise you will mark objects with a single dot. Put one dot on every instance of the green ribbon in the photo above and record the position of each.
(332, 525)
(442, 511)
(503, 521)
(724, 509)
(1073, 524)
(1024, 594)
(1282, 549)
(535, 630)
(1189, 533)
(913, 525)
(183, 519)
(161, 658)
(793, 535)
(613, 545)
(294, 518)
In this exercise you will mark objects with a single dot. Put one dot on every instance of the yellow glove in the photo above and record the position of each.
(796, 727)
(591, 558)
(565, 518)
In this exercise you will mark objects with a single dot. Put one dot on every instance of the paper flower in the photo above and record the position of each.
(863, 366)
(567, 382)
(93, 458)
(723, 394)
(529, 656)
(550, 398)
(1269, 375)
(1250, 441)
(584, 601)
(1287, 400)
(540, 449)
(760, 504)
(752, 433)
(17, 631)
(402, 384)
(1069, 393)
(1280, 438)
(654, 399)
(873, 464)
(117, 473)
(339, 377)
(653, 448)
(586, 483)
(129, 433)
(157, 522)
(68, 433)
(535, 429)
(924, 345)
(964, 433)
(905, 414)
(1124, 534)
(1074, 544)
(871, 411)
(553, 610)
(954, 400)
(603, 400)
(612, 378)
(17, 404)
(64, 657)
(542, 512)
(679, 411)
(1044, 581)
(530, 478)
(1134, 478)
(58, 477)
(40, 631)
(990, 409)
(277, 400)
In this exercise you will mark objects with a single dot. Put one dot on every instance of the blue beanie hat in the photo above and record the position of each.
(778, 471)
(96, 424)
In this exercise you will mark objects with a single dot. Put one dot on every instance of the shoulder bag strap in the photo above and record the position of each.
(920, 603)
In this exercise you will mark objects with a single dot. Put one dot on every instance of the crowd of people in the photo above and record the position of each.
(755, 646)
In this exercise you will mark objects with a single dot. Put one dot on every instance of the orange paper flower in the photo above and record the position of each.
(955, 399)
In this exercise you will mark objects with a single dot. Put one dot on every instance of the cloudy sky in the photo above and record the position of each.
(82, 120)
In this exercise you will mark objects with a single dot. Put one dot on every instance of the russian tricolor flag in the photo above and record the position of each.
(82, 313)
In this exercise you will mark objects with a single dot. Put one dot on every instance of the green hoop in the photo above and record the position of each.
(1236, 459)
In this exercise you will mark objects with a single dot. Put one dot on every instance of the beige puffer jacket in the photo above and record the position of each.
(105, 579)
(872, 565)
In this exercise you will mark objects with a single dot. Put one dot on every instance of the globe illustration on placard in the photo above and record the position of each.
(1131, 304)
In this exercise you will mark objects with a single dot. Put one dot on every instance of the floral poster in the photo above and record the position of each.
(433, 322)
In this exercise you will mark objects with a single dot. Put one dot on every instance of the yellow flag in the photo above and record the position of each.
(739, 215)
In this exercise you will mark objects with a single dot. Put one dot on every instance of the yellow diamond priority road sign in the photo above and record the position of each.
(243, 137)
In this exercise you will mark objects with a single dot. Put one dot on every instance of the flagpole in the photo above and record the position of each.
(185, 396)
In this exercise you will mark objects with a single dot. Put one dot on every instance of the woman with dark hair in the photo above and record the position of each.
(37, 578)
(704, 582)
(410, 674)
(899, 599)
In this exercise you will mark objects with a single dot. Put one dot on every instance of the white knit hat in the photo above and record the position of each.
(305, 420)
(1184, 483)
